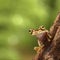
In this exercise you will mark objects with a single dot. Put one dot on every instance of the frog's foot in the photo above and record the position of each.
(38, 49)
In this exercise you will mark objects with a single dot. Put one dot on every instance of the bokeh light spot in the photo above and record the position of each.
(17, 20)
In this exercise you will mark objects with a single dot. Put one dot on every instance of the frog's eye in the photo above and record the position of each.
(30, 31)
(42, 28)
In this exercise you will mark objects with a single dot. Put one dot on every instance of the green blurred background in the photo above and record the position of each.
(16, 18)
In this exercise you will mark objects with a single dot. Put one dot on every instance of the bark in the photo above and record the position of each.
(52, 52)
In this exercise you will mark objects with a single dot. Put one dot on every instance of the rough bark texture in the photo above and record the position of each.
(52, 52)
(55, 26)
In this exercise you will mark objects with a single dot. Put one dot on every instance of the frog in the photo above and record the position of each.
(44, 38)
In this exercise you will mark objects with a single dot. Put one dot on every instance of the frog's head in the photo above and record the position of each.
(40, 30)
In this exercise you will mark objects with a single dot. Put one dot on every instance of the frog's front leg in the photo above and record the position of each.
(40, 47)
